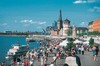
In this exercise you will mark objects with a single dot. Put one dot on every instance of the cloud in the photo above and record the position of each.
(79, 1)
(3, 24)
(84, 1)
(41, 23)
(94, 9)
(26, 21)
(33, 22)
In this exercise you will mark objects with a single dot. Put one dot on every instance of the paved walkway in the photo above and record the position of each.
(59, 62)
(86, 60)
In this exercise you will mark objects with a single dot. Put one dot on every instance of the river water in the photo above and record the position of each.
(7, 41)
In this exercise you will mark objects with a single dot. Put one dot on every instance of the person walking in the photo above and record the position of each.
(97, 50)
(82, 50)
(42, 60)
(18, 60)
(26, 63)
(45, 60)
(14, 60)
(79, 50)
(54, 59)
(31, 63)
(94, 52)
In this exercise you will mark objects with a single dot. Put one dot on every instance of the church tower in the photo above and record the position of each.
(60, 19)
(60, 22)
(66, 25)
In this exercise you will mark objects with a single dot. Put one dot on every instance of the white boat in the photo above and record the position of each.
(17, 50)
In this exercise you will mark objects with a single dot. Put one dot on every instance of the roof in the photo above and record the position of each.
(81, 28)
(66, 20)
(90, 23)
(97, 20)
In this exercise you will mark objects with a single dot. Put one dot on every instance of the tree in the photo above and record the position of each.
(91, 42)
(70, 44)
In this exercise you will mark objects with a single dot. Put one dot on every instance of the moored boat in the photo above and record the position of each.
(17, 50)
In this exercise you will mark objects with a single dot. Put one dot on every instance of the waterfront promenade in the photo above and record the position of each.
(86, 60)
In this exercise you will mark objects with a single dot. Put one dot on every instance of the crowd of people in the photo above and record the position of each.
(58, 52)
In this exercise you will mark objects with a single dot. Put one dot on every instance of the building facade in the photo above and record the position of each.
(90, 26)
(54, 32)
(63, 28)
(80, 30)
(66, 25)
(94, 25)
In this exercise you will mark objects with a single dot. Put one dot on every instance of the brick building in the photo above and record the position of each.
(94, 25)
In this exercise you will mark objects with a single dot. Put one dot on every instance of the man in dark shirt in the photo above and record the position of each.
(18, 60)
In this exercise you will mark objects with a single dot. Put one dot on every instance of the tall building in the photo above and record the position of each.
(66, 25)
(58, 25)
(62, 27)
(94, 25)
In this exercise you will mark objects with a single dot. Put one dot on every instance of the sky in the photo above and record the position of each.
(35, 15)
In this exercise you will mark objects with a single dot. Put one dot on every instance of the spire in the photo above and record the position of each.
(60, 18)
(60, 22)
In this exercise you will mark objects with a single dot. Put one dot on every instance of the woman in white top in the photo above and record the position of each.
(72, 60)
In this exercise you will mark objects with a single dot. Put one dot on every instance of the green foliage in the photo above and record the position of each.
(81, 34)
(70, 44)
(70, 39)
(94, 33)
(91, 42)
(89, 33)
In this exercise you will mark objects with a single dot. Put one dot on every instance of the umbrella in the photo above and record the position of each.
(63, 43)
(86, 42)
(77, 41)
